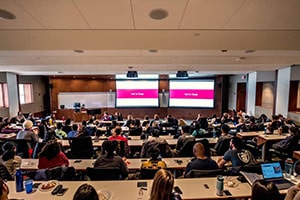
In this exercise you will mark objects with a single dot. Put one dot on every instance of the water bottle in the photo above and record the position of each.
(214, 133)
(220, 185)
(19, 181)
(288, 167)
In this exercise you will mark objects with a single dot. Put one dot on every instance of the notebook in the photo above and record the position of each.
(273, 172)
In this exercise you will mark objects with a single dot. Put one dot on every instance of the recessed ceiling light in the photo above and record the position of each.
(196, 34)
(78, 50)
(152, 50)
(4, 14)
(130, 67)
(159, 14)
(224, 50)
(249, 51)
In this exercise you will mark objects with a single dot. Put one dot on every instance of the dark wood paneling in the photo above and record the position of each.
(241, 97)
(258, 96)
(107, 83)
(293, 96)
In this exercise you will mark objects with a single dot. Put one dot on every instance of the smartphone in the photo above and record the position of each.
(62, 191)
(141, 184)
(227, 193)
(36, 185)
(77, 161)
(177, 190)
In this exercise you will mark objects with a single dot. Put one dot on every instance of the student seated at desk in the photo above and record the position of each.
(184, 137)
(116, 135)
(236, 155)
(109, 159)
(155, 161)
(224, 135)
(52, 156)
(10, 159)
(29, 134)
(60, 134)
(200, 162)
(74, 131)
(262, 190)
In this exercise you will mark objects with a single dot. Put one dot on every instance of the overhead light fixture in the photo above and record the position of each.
(4, 14)
(182, 74)
(239, 59)
(158, 14)
(132, 74)
(250, 51)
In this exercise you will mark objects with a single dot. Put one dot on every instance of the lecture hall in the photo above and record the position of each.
(164, 99)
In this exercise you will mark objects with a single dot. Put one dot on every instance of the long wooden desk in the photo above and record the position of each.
(139, 143)
(250, 134)
(296, 155)
(127, 189)
(132, 164)
(264, 139)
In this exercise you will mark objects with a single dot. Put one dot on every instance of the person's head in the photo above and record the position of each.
(27, 124)
(269, 130)
(185, 129)
(75, 127)
(154, 153)
(162, 185)
(275, 118)
(59, 125)
(198, 149)
(105, 113)
(236, 143)
(225, 129)
(4, 190)
(9, 149)
(156, 117)
(50, 150)
(86, 192)
(108, 147)
(262, 190)
(118, 130)
(137, 122)
(293, 131)
(155, 133)
(68, 121)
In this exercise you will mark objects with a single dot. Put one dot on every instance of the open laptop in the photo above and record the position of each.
(273, 172)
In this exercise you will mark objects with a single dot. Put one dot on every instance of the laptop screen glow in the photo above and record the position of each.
(271, 170)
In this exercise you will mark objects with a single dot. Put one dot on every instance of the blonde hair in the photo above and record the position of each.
(162, 185)
(27, 124)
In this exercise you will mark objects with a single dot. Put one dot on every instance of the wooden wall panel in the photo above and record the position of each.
(100, 84)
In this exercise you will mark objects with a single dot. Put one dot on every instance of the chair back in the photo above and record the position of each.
(223, 147)
(81, 147)
(195, 173)
(37, 149)
(148, 173)
(61, 173)
(187, 149)
(22, 147)
(95, 174)
(121, 147)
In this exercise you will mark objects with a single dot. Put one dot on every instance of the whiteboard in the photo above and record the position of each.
(89, 99)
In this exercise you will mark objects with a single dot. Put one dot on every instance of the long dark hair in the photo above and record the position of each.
(50, 150)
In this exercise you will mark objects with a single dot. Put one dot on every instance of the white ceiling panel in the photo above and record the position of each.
(212, 14)
(259, 14)
(23, 19)
(142, 9)
(54, 14)
(106, 14)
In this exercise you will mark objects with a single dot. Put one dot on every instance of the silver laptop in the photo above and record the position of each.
(273, 172)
